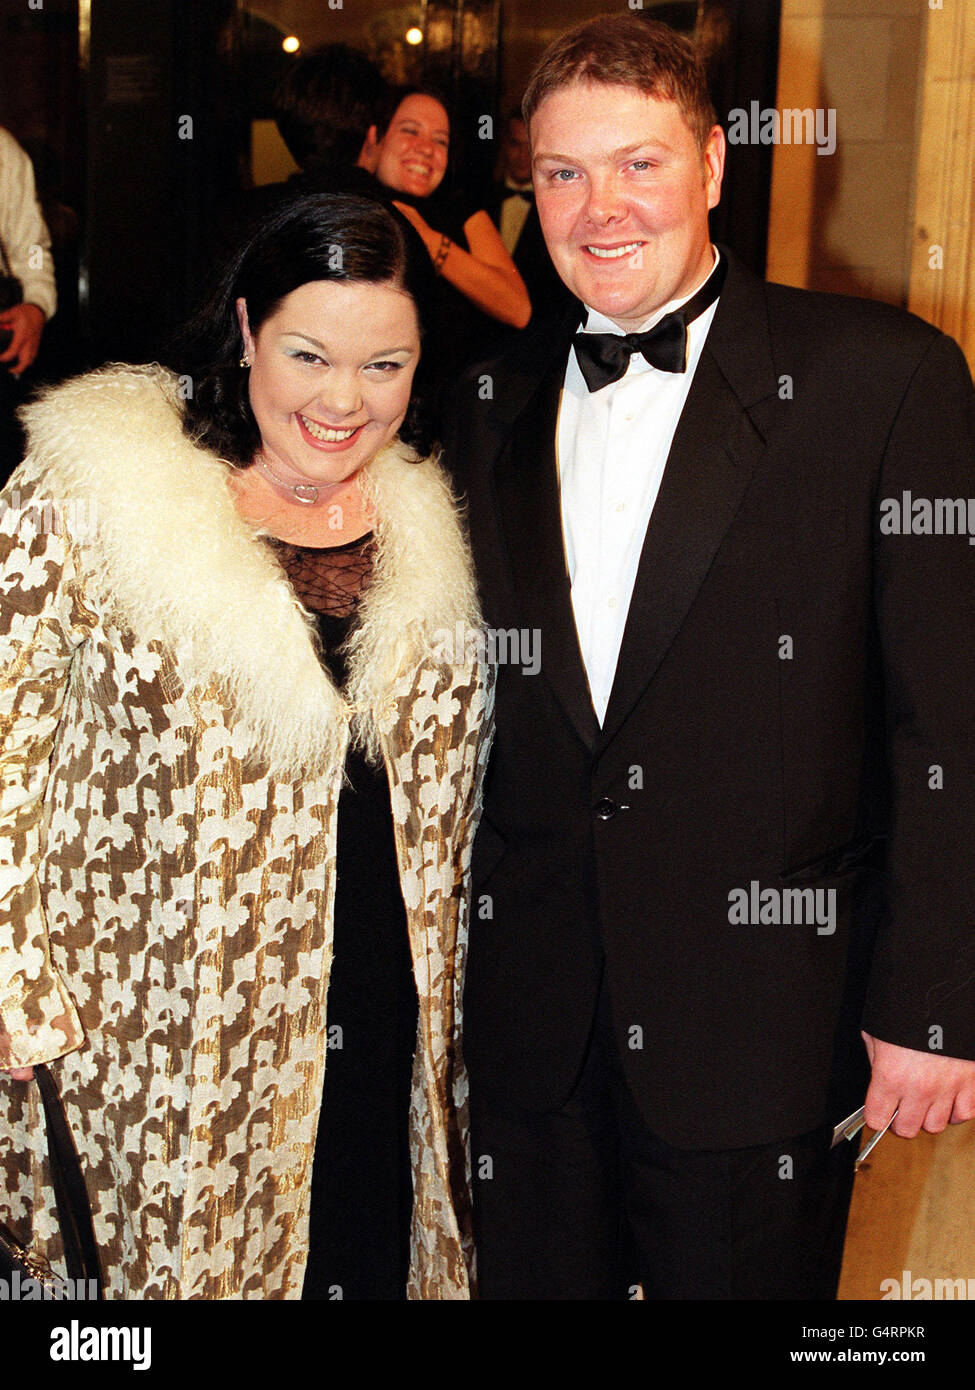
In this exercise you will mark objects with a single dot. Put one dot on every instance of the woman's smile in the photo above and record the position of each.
(328, 437)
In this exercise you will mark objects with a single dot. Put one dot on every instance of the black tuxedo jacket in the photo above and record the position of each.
(793, 708)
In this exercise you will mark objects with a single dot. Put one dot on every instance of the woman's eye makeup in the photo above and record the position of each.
(383, 365)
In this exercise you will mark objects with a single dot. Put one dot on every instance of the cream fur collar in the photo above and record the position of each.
(174, 561)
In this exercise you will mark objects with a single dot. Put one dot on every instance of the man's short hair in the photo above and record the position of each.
(627, 51)
(325, 104)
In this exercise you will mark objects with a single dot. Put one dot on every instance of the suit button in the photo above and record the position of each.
(605, 809)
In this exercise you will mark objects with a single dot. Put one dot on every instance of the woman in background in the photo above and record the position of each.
(410, 152)
(242, 772)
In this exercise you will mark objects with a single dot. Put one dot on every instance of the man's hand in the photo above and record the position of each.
(928, 1091)
(26, 322)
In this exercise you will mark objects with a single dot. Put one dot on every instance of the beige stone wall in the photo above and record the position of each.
(842, 222)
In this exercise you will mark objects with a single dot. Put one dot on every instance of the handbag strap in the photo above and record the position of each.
(70, 1193)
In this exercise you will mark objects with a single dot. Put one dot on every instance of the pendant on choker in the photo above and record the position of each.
(301, 492)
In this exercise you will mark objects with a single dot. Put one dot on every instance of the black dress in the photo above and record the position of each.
(361, 1195)
(457, 331)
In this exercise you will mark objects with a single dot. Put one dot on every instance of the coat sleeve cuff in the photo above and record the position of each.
(40, 1026)
(939, 1019)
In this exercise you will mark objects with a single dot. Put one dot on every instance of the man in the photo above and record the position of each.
(325, 107)
(26, 256)
(512, 209)
(513, 197)
(729, 822)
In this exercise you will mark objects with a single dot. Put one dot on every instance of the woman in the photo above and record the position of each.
(409, 154)
(232, 735)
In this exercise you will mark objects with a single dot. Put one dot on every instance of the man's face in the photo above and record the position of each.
(623, 194)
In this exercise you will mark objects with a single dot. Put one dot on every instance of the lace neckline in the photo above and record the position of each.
(329, 579)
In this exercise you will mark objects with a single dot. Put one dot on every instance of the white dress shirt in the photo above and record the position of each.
(514, 214)
(22, 227)
(612, 447)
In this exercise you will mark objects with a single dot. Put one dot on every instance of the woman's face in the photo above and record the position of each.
(413, 152)
(330, 378)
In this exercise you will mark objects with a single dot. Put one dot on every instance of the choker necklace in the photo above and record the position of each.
(301, 492)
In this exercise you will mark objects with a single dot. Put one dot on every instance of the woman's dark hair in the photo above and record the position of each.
(394, 97)
(307, 237)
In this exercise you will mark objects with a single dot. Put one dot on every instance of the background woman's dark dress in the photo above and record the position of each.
(458, 331)
(361, 1195)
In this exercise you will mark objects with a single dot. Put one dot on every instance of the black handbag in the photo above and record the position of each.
(73, 1208)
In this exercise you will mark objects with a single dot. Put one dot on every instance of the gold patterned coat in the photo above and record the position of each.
(171, 753)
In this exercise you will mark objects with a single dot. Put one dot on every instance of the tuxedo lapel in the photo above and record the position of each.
(527, 491)
(713, 456)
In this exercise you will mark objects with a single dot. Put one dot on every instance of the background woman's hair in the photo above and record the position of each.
(310, 237)
(394, 97)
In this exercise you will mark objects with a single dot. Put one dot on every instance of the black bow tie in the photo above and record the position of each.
(605, 357)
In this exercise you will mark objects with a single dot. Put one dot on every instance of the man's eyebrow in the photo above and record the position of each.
(543, 154)
(650, 143)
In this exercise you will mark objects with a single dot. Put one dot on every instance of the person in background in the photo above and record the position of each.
(511, 207)
(513, 195)
(241, 753)
(62, 351)
(325, 106)
(28, 277)
(410, 148)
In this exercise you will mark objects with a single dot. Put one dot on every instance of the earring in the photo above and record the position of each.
(245, 361)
